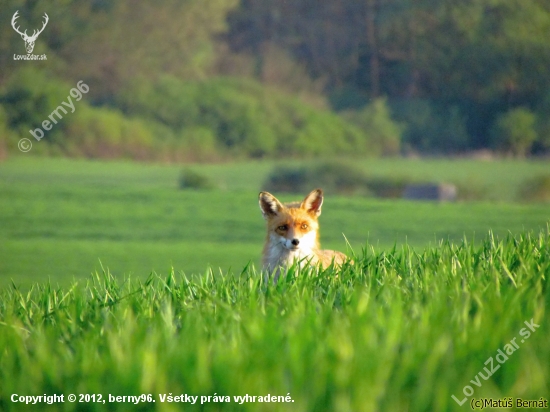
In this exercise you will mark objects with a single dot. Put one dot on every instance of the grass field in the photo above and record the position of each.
(435, 291)
(396, 331)
(63, 219)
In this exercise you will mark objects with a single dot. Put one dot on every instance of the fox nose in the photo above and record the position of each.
(295, 242)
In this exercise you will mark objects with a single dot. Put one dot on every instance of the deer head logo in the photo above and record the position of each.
(29, 40)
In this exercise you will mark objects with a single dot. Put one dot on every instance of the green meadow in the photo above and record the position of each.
(63, 219)
(398, 330)
(115, 283)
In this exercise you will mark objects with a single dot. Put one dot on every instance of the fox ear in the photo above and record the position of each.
(269, 205)
(313, 202)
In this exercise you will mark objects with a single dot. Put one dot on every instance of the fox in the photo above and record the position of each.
(293, 234)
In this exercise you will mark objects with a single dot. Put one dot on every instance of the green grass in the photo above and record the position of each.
(434, 291)
(502, 179)
(400, 329)
(63, 219)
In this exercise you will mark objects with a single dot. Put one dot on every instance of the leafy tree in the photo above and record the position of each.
(127, 39)
(29, 97)
(514, 132)
(376, 122)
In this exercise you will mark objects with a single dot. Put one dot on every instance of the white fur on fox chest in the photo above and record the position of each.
(279, 252)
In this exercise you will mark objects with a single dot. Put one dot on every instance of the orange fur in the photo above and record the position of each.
(293, 234)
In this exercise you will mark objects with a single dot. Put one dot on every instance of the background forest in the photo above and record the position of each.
(204, 81)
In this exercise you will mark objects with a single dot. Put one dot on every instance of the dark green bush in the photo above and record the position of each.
(29, 98)
(536, 189)
(288, 180)
(388, 186)
(334, 177)
(189, 179)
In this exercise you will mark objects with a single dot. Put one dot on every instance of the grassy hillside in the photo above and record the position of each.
(397, 330)
(60, 217)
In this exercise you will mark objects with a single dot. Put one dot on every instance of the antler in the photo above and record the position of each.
(37, 32)
(15, 16)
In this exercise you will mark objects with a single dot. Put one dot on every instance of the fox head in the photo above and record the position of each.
(292, 226)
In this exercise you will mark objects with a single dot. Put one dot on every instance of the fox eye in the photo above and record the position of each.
(283, 227)
(304, 226)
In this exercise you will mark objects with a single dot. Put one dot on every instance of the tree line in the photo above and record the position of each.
(205, 80)
(454, 72)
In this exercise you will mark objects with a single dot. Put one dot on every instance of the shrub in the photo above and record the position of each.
(245, 117)
(29, 98)
(106, 133)
(189, 179)
(287, 180)
(334, 177)
(536, 189)
(384, 134)
(168, 101)
(388, 186)
(199, 143)
(514, 132)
